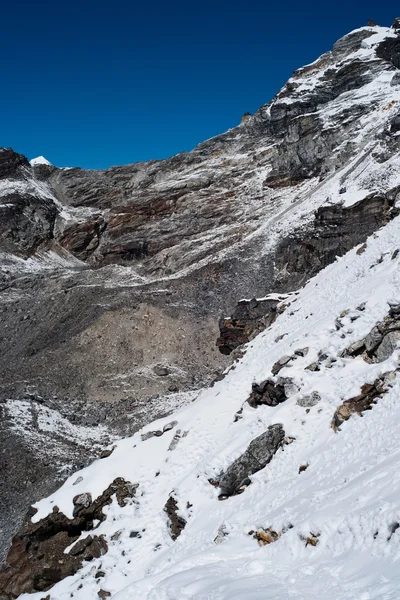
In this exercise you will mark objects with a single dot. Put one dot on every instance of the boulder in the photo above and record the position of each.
(258, 454)
(268, 393)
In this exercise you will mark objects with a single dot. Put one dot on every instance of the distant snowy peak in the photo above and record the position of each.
(40, 160)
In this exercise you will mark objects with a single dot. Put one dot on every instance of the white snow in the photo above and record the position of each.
(40, 160)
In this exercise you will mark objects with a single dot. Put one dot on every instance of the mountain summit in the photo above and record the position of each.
(250, 456)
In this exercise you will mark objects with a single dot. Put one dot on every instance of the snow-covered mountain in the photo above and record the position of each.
(280, 479)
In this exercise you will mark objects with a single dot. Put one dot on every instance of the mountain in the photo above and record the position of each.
(113, 287)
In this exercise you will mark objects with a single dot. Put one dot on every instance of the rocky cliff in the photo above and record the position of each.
(113, 282)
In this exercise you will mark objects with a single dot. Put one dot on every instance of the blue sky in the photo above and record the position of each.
(97, 84)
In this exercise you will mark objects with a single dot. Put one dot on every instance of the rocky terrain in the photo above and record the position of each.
(116, 289)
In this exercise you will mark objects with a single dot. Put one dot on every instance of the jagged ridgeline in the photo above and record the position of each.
(115, 292)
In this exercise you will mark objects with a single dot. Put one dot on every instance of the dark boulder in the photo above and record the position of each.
(258, 454)
(176, 523)
(268, 393)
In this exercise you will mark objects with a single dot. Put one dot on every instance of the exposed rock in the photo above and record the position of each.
(37, 561)
(312, 539)
(106, 453)
(176, 523)
(389, 50)
(268, 393)
(387, 346)
(11, 162)
(304, 253)
(266, 536)
(380, 343)
(170, 426)
(249, 318)
(364, 401)
(303, 468)
(221, 535)
(26, 223)
(258, 454)
(309, 401)
(161, 370)
(282, 362)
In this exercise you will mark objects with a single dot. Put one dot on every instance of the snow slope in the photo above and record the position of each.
(348, 496)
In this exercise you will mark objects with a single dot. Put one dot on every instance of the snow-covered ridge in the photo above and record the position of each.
(40, 160)
(347, 497)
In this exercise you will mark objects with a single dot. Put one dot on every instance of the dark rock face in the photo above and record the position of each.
(249, 318)
(389, 50)
(11, 162)
(258, 454)
(37, 561)
(176, 523)
(303, 254)
(82, 239)
(268, 393)
(26, 222)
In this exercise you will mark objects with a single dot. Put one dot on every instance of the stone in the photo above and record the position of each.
(266, 536)
(161, 370)
(249, 318)
(103, 594)
(309, 401)
(282, 362)
(82, 501)
(106, 453)
(258, 454)
(387, 346)
(364, 401)
(170, 426)
(221, 535)
(268, 393)
(176, 522)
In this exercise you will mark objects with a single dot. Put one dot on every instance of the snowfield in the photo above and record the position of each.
(347, 499)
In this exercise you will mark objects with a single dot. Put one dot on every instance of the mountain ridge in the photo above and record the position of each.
(122, 275)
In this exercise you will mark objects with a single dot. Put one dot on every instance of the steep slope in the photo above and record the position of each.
(323, 514)
(113, 281)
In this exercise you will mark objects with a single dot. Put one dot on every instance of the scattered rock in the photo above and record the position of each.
(308, 401)
(258, 454)
(282, 362)
(303, 468)
(312, 539)
(221, 535)
(176, 523)
(364, 401)
(268, 393)
(36, 560)
(161, 370)
(106, 453)
(266, 536)
(312, 367)
(103, 594)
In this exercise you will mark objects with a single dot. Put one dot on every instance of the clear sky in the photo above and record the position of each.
(96, 84)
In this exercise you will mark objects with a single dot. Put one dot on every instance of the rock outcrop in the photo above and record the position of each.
(37, 558)
(258, 454)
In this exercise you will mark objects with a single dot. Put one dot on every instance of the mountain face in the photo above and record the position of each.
(245, 470)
